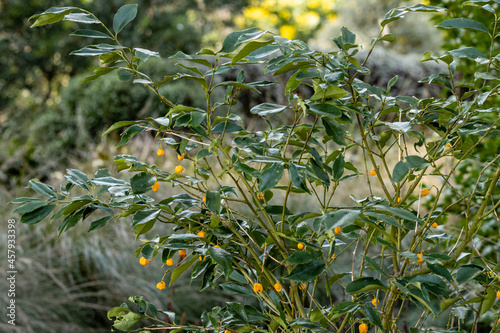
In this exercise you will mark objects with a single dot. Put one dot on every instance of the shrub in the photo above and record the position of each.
(263, 213)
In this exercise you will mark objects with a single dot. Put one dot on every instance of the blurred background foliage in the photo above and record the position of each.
(49, 121)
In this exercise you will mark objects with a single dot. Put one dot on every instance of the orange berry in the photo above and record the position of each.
(277, 287)
(302, 286)
(179, 169)
(217, 246)
(337, 230)
(160, 152)
(399, 199)
(160, 285)
(420, 255)
(448, 145)
(498, 294)
(375, 302)
(420, 260)
(204, 199)
(201, 258)
(333, 256)
(257, 287)
(373, 172)
(425, 192)
(170, 262)
(182, 253)
(261, 196)
(227, 331)
(434, 225)
(156, 187)
(202, 234)
(363, 328)
(300, 246)
(143, 261)
(180, 157)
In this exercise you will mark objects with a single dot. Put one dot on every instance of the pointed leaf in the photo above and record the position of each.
(223, 258)
(123, 16)
(267, 109)
(462, 23)
(306, 272)
(271, 176)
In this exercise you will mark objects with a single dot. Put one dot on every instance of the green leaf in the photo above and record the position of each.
(238, 85)
(417, 162)
(234, 288)
(399, 126)
(306, 272)
(373, 316)
(90, 52)
(469, 52)
(307, 323)
(338, 167)
(41, 188)
(298, 178)
(399, 212)
(375, 265)
(142, 182)
(236, 38)
(440, 270)
(78, 178)
(336, 131)
(81, 18)
(29, 207)
(326, 109)
(277, 210)
(267, 109)
(223, 258)
(489, 301)
(303, 257)
(467, 272)
(52, 15)
(213, 201)
(127, 321)
(271, 176)
(462, 23)
(401, 170)
(37, 215)
(249, 48)
(145, 54)
(108, 181)
(89, 33)
(100, 223)
(144, 216)
(181, 269)
(123, 16)
(98, 72)
(365, 284)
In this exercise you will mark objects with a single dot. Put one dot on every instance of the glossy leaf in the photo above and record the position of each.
(365, 284)
(462, 23)
(306, 272)
(223, 258)
(271, 176)
(37, 215)
(142, 182)
(267, 109)
(123, 16)
(401, 170)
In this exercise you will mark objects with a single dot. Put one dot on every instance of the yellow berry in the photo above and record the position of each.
(373, 172)
(399, 199)
(333, 256)
(227, 331)
(420, 260)
(277, 287)
(217, 246)
(201, 258)
(257, 287)
(170, 262)
(434, 225)
(425, 192)
(143, 261)
(375, 302)
(179, 169)
(204, 199)
(182, 253)
(337, 230)
(498, 294)
(156, 187)
(300, 246)
(363, 328)
(202, 234)
(160, 285)
(180, 157)
(160, 152)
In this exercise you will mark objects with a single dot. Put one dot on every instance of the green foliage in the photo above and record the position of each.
(234, 216)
